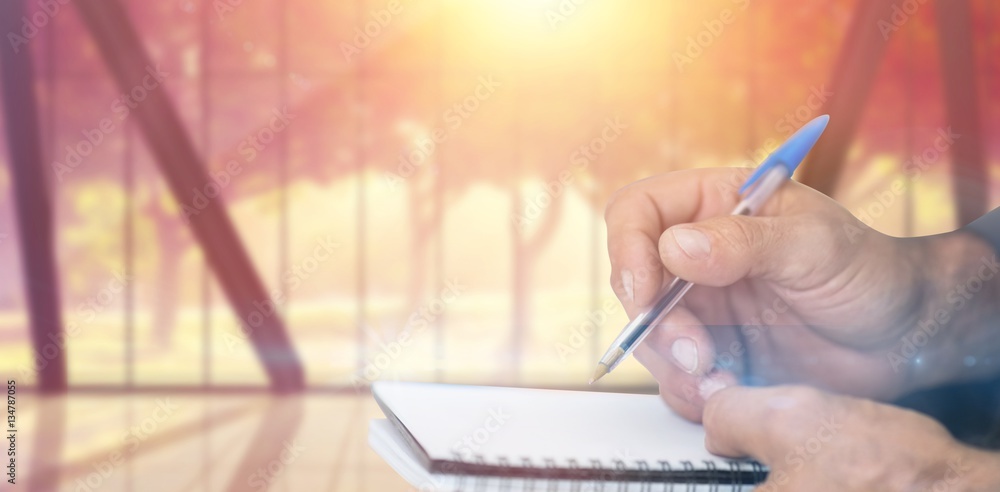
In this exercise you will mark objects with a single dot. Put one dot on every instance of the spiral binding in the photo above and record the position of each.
(476, 474)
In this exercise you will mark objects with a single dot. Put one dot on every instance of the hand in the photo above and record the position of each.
(804, 292)
(816, 441)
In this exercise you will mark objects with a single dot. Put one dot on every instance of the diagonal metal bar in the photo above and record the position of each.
(34, 211)
(175, 155)
(851, 82)
(961, 97)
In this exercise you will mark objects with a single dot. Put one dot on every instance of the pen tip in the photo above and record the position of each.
(598, 373)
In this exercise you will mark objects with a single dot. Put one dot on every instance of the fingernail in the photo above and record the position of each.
(628, 283)
(694, 242)
(710, 386)
(685, 353)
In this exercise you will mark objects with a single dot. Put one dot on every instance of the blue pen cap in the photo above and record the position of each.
(791, 153)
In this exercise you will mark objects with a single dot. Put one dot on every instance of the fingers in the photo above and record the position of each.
(684, 393)
(763, 423)
(677, 389)
(722, 250)
(680, 354)
(684, 341)
(733, 423)
(812, 440)
(638, 214)
(636, 273)
(680, 219)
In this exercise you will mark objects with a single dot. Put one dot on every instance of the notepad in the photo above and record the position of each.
(454, 437)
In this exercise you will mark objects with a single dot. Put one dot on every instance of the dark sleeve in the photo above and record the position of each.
(987, 227)
(971, 411)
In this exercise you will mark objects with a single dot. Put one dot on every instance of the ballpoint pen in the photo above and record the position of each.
(762, 183)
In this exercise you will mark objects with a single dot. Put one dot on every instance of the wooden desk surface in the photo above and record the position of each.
(173, 443)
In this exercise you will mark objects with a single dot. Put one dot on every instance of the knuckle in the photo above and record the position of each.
(791, 408)
(616, 284)
(614, 200)
(807, 398)
(775, 420)
(742, 234)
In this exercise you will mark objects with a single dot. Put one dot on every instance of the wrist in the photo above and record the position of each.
(953, 336)
(908, 347)
(972, 470)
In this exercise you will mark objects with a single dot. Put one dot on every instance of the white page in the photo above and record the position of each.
(511, 423)
(387, 443)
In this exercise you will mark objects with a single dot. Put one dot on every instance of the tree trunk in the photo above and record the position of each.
(526, 252)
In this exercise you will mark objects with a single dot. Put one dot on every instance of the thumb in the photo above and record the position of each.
(720, 251)
(767, 423)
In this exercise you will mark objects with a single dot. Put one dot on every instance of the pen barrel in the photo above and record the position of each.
(645, 322)
(640, 327)
(754, 198)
